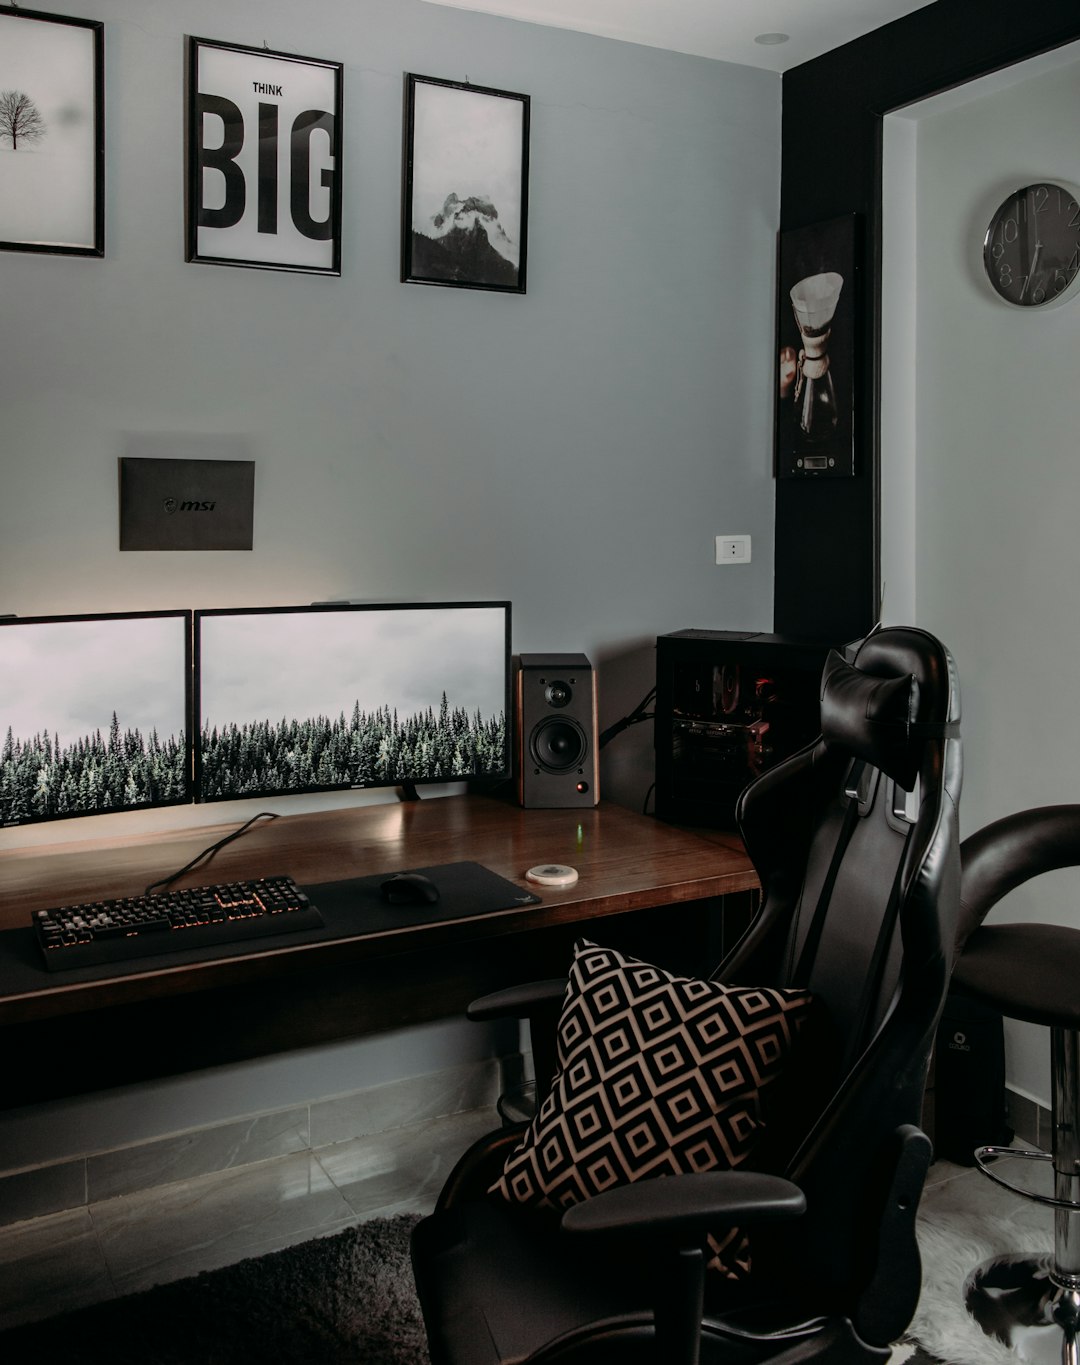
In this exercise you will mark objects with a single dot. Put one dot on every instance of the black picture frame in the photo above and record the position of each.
(818, 280)
(465, 186)
(52, 98)
(254, 193)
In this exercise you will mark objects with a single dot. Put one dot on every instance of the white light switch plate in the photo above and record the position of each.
(733, 549)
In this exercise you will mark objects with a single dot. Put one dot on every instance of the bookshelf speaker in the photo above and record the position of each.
(557, 760)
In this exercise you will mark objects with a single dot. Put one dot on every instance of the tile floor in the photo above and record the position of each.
(121, 1245)
(965, 1190)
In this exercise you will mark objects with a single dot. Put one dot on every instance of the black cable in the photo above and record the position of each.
(208, 853)
(636, 716)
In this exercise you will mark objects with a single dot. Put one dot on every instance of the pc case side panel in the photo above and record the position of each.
(728, 706)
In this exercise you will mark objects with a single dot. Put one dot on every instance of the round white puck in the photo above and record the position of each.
(552, 874)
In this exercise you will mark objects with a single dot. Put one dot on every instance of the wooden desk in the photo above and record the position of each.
(144, 1018)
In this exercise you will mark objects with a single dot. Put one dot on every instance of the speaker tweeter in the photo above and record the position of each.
(557, 760)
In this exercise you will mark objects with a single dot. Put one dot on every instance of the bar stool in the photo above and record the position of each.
(1029, 972)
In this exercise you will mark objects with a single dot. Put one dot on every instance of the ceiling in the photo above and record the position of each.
(725, 30)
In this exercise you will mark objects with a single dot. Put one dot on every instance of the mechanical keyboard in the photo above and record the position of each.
(101, 932)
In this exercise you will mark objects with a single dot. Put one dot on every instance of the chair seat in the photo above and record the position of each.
(466, 1257)
(1027, 971)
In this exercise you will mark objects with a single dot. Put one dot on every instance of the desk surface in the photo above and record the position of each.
(159, 1016)
(625, 862)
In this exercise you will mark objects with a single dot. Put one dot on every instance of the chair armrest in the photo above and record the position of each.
(518, 1002)
(479, 1166)
(539, 1002)
(684, 1208)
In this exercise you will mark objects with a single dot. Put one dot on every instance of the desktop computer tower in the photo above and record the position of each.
(968, 1080)
(728, 706)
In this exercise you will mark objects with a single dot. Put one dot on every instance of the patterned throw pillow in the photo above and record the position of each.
(657, 1075)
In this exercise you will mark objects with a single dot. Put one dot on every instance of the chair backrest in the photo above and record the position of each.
(855, 841)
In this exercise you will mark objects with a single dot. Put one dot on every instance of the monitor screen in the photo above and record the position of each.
(94, 714)
(299, 699)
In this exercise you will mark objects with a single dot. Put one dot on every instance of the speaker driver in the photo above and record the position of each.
(558, 693)
(558, 744)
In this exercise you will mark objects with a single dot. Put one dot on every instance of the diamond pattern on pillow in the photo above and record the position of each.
(657, 1075)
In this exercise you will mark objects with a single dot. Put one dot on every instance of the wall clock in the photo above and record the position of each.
(1031, 251)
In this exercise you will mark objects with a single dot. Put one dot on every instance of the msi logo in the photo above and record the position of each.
(190, 505)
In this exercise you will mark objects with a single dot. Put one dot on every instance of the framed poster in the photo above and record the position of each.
(815, 351)
(263, 159)
(52, 133)
(465, 186)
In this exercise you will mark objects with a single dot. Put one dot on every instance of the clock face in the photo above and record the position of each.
(1032, 247)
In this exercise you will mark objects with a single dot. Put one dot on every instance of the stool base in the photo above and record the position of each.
(1014, 1300)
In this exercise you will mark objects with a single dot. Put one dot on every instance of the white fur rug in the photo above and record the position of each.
(953, 1243)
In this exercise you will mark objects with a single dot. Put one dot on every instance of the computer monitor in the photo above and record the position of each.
(94, 714)
(303, 699)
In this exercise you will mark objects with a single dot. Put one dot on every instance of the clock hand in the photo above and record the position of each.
(1031, 270)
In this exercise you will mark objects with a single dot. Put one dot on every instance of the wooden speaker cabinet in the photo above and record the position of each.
(557, 757)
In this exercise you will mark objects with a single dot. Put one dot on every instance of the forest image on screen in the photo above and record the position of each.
(293, 701)
(93, 714)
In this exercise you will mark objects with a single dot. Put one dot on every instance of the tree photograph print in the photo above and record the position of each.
(51, 142)
(20, 119)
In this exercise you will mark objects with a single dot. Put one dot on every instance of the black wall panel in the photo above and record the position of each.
(827, 532)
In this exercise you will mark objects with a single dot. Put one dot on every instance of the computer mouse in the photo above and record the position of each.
(410, 888)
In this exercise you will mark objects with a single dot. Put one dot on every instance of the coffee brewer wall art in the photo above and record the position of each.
(815, 385)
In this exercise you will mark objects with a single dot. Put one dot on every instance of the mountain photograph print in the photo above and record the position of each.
(465, 199)
(52, 133)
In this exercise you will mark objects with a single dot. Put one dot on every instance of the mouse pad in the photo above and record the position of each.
(357, 906)
(348, 908)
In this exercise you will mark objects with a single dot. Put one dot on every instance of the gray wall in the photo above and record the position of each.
(575, 450)
(982, 549)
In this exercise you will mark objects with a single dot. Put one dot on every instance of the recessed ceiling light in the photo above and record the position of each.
(768, 39)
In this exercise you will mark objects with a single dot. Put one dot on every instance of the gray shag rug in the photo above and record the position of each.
(349, 1297)
(346, 1297)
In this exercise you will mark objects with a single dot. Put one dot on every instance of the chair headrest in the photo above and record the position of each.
(873, 718)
